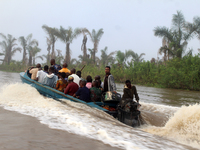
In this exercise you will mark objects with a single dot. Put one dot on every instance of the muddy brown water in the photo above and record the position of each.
(46, 124)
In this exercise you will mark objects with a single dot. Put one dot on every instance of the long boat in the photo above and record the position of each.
(60, 96)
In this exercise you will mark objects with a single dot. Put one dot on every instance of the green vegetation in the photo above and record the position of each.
(177, 69)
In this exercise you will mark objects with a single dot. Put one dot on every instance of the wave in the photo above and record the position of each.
(183, 126)
(79, 119)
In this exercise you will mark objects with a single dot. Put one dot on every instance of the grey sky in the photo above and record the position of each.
(127, 24)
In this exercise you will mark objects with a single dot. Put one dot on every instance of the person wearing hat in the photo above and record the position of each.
(72, 87)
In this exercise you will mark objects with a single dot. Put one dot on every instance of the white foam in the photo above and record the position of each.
(79, 119)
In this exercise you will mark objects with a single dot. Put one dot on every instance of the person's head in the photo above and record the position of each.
(65, 65)
(73, 71)
(67, 74)
(51, 70)
(82, 83)
(107, 70)
(89, 78)
(98, 83)
(38, 66)
(63, 75)
(128, 83)
(46, 68)
(70, 79)
(78, 73)
(97, 77)
(52, 61)
(94, 84)
(59, 75)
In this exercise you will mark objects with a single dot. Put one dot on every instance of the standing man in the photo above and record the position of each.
(56, 67)
(109, 83)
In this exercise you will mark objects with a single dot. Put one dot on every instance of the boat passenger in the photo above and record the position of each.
(34, 71)
(61, 83)
(78, 73)
(50, 79)
(64, 69)
(83, 92)
(89, 82)
(72, 87)
(66, 76)
(109, 83)
(95, 92)
(130, 91)
(76, 78)
(56, 67)
(41, 74)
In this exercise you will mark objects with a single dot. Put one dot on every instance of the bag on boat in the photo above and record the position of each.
(111, 97)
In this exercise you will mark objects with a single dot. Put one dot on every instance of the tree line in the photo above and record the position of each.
(177, 69)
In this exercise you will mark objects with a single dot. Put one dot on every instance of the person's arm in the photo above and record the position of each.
(37, 76)
(67, 89)
(77, 93)
(136, 94)
(112, 83)
(57, 85)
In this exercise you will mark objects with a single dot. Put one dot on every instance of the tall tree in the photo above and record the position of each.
(34, 51)
(66, 36)
(107, 59)
(96, 37)
(122, 57)
(177, 36)
(85, 32)
(51, 33)
(9, 47)
(25, 43)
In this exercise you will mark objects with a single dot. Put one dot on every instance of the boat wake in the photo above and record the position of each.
(86, 121)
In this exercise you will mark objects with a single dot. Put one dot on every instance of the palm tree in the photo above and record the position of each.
(177, 36)
(59, 56)
(85, 32)
(95, 37)
(136, 57)
(48, 49)
(25, 43)
(34, 52)
(8, 46)
(107, 59)
(52, 38)
(66, 36)
(122, 57)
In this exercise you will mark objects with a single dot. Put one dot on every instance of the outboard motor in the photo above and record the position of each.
(128, 112)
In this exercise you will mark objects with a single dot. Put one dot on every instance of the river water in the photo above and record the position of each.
(172, 117)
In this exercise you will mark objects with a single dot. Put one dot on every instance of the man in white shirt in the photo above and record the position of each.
(41, 74)
(76, 78)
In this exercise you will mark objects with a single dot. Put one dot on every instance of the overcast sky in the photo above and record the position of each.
(127, 24)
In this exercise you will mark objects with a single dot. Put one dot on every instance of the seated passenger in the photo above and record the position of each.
(50, 79)
(83, 92)
(89, 82)
(64, 69)
(72, 87)
(95, 92)
(130, 91)
(41, 74)
(76, 78)
(34, 71)
(61, 83)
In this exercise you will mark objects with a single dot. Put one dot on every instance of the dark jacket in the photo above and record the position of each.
(129, 93)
